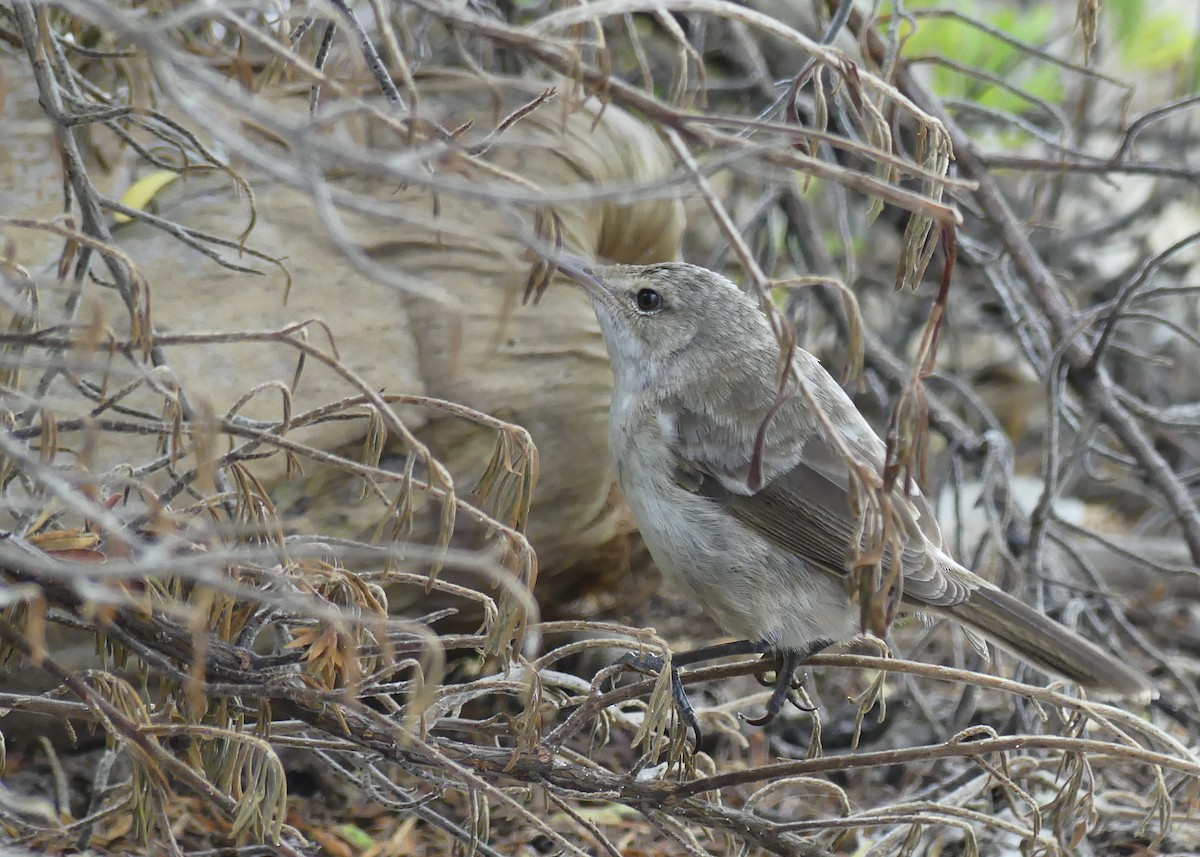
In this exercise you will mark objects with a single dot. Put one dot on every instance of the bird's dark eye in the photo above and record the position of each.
(648, 300)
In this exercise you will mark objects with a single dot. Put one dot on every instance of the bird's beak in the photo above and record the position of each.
(578, 271)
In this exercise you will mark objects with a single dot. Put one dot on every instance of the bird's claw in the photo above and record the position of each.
(786, 685)
(651, 664)
(643, 662)
(796, 682)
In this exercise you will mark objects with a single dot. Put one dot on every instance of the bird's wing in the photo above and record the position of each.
(806, 511)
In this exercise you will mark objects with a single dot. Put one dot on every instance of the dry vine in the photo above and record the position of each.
(235, 648)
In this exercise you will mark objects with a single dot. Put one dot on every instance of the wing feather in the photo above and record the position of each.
(806, 511)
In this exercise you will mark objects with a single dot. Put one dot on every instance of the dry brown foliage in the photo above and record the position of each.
(814, 153)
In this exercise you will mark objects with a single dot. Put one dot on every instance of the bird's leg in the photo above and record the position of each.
(767, 648)
(788, 661)
(652, 664)
(715, 651)
(786, 681)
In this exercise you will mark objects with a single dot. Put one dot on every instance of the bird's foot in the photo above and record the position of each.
(652, 665)
(771, 678)
(786, 683)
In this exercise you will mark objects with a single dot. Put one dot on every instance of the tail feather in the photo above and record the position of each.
(1047, 645)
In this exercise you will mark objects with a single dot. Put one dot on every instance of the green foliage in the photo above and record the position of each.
(1155, 40)
(1147, 39)
(356, 836)
(967, 45)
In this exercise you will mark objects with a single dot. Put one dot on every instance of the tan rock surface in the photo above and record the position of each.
(541, 366)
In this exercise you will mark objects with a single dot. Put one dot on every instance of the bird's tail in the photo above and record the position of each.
(1047, 645)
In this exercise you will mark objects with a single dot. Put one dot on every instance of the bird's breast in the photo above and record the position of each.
(753, 589)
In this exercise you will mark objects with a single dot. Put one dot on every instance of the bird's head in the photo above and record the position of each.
(651, 316)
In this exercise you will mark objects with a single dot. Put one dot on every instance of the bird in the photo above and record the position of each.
(743, 497)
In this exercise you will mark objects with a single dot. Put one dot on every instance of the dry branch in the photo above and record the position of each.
(444, 152)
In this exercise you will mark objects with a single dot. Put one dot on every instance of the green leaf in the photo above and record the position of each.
(1158, 42)
(355, 835)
